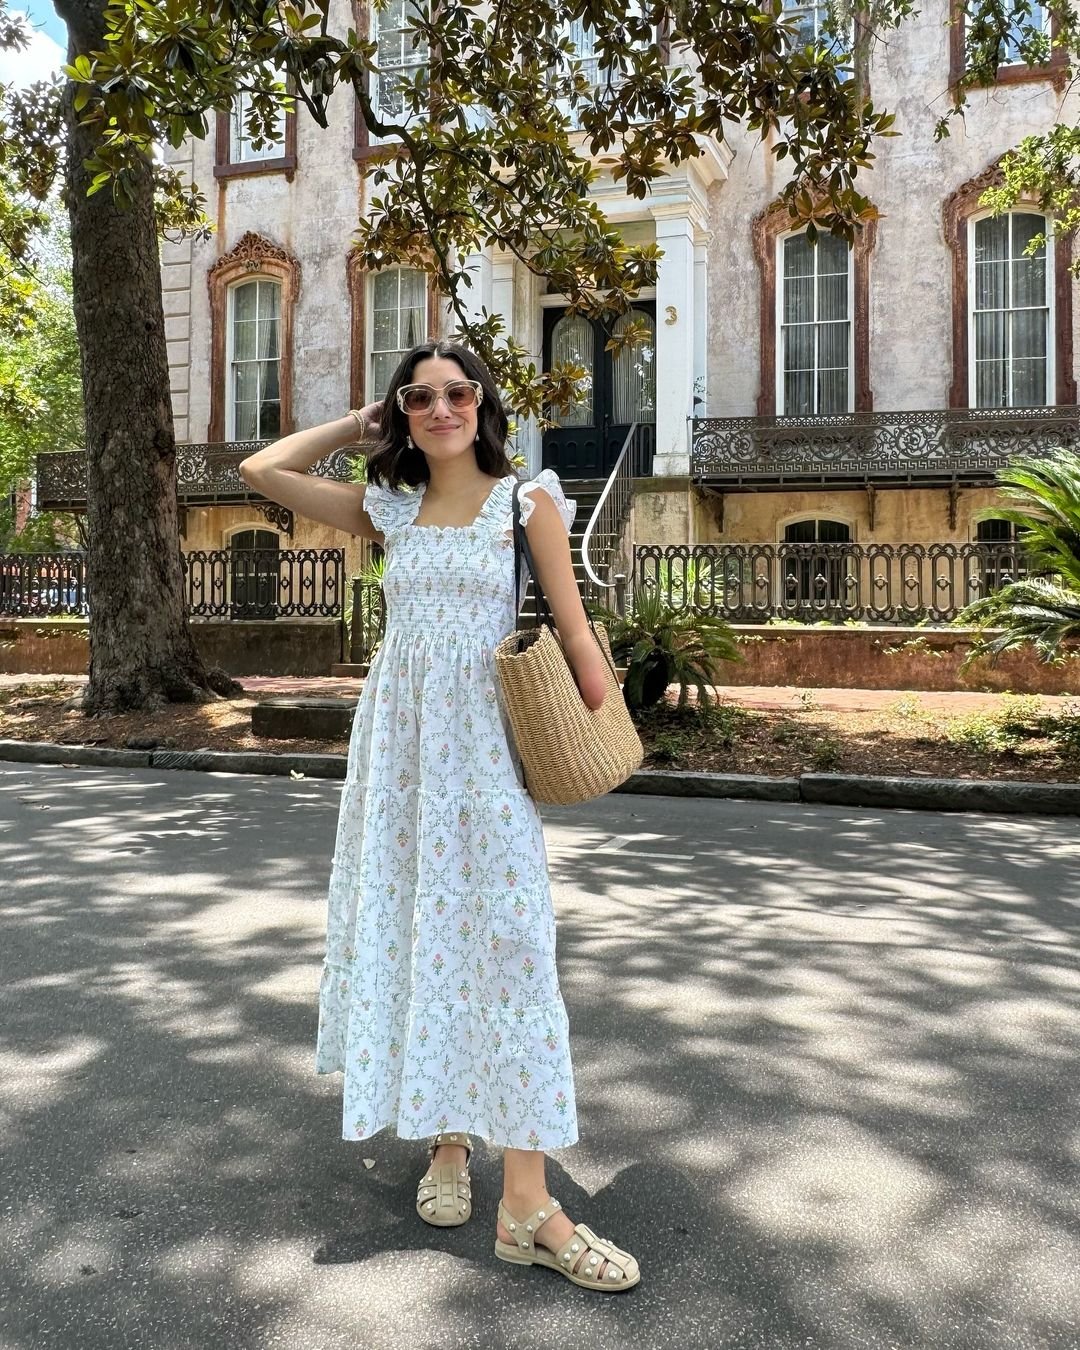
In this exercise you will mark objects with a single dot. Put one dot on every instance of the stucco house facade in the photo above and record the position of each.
(792, 395)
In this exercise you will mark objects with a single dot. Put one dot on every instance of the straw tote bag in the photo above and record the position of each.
(569, 752)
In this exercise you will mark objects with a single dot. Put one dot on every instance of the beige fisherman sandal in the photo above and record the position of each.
(444, 1195)
(580, 1258)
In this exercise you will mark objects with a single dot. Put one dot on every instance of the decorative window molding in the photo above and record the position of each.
(766, 231)
(252, 257)
(229, 164)
(360, 344)
(1054, 70)
(960, 207)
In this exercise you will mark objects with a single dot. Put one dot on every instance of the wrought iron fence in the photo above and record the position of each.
(42, 584)
(265, 583)
(205, 472)
(233, 583)
(874, 583)
(945, 443)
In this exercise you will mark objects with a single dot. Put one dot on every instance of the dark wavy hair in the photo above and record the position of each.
(392, 462)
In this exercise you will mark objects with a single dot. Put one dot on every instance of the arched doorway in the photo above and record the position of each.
(619, 390)
(254, 574)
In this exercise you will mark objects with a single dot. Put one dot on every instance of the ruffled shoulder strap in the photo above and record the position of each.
(548, 481)
(390, 508)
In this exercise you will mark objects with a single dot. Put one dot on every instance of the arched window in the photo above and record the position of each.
(253, 360)
(815, 328)
(573, 343)
(1002, 558)
(815, 318)
(1011, 293)
(398, 322)
(1011, 313)
(253, 573)
(815, 579)
(635, 373)
(253, 291)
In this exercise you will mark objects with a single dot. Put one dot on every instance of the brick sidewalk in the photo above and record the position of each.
(786, 697)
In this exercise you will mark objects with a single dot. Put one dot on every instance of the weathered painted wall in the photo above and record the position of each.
(910, 274)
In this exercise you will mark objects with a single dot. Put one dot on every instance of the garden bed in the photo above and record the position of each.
(1016, 738)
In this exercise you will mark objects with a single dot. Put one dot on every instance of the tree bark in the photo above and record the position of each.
(141, 650)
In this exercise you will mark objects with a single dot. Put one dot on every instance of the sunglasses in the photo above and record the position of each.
(421, 398)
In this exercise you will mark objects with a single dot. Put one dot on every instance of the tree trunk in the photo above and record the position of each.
(141, 650)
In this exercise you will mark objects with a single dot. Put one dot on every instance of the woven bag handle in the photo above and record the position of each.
(543, 609)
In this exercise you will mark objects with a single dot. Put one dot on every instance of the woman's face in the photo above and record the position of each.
(442, 432)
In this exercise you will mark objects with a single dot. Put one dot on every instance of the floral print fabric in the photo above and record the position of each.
(440, 1000)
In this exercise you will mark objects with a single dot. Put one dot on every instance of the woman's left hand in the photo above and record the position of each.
(587, 661)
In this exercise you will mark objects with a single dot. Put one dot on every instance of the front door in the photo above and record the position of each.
(619, 390)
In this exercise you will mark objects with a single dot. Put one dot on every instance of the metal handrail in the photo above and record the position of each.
(612, 504)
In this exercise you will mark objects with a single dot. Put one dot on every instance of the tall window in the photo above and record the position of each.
(254, 361)
(635, 374)
(401, 55)
(398, 322)
(815, 307)
(1039, 20)
(241, 149)
(1010, 313)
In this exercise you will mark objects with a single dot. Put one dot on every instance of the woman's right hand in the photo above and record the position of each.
(372, 414)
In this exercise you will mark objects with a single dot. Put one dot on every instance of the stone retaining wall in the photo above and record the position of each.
(810, 657)
(283, 647)
(889, 658)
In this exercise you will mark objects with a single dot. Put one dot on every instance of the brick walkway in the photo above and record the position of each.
(749, 696)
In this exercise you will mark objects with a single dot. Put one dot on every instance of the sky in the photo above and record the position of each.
(47, 50)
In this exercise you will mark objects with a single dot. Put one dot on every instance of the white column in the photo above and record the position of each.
(476, 297)
(675, 331)
(701, 326)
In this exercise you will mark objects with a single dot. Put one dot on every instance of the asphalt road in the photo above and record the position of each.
(828, 1068)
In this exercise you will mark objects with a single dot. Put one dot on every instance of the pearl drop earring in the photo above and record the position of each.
(409, 442)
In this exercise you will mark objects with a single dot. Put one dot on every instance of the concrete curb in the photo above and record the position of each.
(913, 794)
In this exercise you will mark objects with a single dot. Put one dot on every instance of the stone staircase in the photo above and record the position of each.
(586, 492)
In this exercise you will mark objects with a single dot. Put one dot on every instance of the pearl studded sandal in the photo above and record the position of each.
(580, 1258)
(444, 1195)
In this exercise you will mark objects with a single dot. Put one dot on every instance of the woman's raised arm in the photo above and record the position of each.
(281, 473)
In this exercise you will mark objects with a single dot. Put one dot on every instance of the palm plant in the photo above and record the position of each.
(662, 645)
(1043, 609)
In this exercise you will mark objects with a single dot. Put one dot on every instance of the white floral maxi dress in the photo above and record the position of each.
(440, 1001)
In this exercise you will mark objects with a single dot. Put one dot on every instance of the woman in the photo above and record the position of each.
(440, 1001)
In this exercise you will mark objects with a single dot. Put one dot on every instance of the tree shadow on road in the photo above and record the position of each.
(827, 1068)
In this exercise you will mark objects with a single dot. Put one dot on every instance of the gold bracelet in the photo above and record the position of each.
(365, 431)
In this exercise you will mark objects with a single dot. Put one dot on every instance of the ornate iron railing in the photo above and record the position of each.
(204, 473)
(945, 444)
(265, 583)
(227, 583)
(875, 583)
(42, 584)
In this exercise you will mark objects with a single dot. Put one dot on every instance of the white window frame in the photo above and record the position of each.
(820, 11)
(230, 304)
(241, 150)
(369, 324)
(373, 79)
(595, 77)
(1019, 61)
(1051, 282)
(778, 320)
